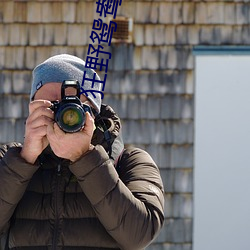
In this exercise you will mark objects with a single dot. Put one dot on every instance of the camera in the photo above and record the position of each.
(70, 112)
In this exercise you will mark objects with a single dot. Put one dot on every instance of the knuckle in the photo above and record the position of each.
(28, 122)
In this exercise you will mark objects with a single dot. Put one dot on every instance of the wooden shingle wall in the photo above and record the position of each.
(150, 82)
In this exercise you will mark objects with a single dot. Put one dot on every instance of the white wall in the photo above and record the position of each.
(222, 153)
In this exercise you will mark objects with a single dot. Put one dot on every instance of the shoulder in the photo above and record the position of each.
(136, 164)
(136, 156)
(5, 147)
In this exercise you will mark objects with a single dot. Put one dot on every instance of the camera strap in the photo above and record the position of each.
(106, 133)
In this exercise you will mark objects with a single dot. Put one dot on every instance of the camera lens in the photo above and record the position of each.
(70, 117)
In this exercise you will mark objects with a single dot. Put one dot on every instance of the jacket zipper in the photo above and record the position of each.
(56, 232)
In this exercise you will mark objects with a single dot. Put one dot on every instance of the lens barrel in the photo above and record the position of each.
(70, 117)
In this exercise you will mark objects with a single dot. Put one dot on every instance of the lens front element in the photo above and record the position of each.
(71, 117)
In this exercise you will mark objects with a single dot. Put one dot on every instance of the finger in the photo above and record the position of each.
(38, 132)
(50, 130)
(89, 124)
(38, 122)
(54, 133)
(41, 111)
(38, 103)
(58, 131)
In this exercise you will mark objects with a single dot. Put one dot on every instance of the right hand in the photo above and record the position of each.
(35, 141)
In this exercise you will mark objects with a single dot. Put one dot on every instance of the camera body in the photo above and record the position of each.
(70, 112)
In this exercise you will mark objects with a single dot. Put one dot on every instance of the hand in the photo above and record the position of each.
(71, 146)
(35, 141)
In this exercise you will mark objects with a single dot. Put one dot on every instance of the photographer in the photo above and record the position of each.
(76, 189)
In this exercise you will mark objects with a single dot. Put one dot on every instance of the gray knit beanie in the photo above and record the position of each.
(65, 67)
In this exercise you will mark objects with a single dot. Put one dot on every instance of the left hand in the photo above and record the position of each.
(71, 146)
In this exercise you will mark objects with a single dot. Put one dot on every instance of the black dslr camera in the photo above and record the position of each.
(70, 112)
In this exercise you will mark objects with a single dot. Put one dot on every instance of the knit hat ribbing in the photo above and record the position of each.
(65, 67)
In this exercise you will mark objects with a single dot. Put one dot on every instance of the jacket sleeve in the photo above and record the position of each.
(129, 205)
(15, 174)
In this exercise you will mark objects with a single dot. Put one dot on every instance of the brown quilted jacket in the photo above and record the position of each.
(94, 203)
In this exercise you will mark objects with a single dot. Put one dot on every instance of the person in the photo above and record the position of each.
(81, 190)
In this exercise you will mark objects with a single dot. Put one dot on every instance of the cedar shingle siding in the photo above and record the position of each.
(150, 81)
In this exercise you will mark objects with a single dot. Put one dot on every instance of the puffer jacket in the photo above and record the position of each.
(98, 202)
